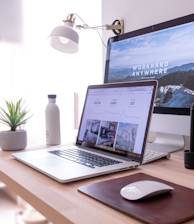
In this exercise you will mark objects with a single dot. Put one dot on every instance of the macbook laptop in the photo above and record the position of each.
(112, 134)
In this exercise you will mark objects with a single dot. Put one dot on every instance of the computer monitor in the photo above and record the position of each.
(164, 52)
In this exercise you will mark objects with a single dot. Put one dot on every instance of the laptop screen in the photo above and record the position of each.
(114, 119)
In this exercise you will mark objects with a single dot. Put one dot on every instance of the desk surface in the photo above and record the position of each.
(62, 203)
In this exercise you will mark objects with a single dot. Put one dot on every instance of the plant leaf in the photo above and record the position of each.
(14, 117)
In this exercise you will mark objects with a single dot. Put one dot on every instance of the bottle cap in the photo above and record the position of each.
(52, 96)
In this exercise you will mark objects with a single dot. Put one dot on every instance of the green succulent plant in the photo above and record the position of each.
(15, 115)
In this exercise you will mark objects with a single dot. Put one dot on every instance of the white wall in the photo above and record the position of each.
(51, 72)
(11, 23)
(12, 85)
(140, 13)
(41, 70)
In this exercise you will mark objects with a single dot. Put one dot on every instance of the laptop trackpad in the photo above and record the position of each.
(60, 169)
(47, 161)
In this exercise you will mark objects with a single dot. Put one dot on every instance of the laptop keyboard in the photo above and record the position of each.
(84, 158)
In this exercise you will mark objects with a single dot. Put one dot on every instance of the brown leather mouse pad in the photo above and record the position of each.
(173, 207)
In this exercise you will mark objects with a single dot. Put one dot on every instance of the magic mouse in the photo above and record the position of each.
(144, 189)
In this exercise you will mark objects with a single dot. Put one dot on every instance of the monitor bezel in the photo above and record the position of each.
(146, 30)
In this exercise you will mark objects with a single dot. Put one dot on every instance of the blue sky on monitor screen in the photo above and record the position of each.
(174, 45)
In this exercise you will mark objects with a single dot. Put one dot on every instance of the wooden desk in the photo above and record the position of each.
(62, 203)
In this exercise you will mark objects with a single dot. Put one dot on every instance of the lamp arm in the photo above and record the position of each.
(85, 26)
(119, 26)
(79, 17)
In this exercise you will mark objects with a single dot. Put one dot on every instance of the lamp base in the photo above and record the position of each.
(189, 159)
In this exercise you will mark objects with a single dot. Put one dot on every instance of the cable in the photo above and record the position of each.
(79, 17)
(94, 28)
(114, 31)
(100, 37)
(99, 27)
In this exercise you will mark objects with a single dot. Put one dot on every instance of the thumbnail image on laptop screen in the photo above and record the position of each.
(115, 119)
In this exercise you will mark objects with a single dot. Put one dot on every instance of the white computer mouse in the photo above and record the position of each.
(144, 189)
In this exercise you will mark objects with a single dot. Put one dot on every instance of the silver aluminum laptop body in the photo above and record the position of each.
(112, 134)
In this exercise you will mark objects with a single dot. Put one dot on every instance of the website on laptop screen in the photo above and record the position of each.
(115, 119)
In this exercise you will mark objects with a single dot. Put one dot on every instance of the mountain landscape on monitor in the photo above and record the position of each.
(175, 88)
(125, 74)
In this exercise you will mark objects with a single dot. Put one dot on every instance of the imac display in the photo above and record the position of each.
(163, 52)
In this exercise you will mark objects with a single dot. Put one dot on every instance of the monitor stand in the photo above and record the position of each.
(166, 143)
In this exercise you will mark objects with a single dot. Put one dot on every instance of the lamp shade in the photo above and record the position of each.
(64, 38)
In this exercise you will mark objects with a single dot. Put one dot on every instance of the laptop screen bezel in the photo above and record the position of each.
(127, 84)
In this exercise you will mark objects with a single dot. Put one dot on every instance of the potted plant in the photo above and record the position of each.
(15, 116)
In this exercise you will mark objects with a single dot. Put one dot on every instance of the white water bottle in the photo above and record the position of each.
(53, 133)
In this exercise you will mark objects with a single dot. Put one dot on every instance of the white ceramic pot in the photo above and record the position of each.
(13, 140)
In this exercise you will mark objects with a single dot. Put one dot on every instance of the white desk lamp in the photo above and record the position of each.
(66, 39)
